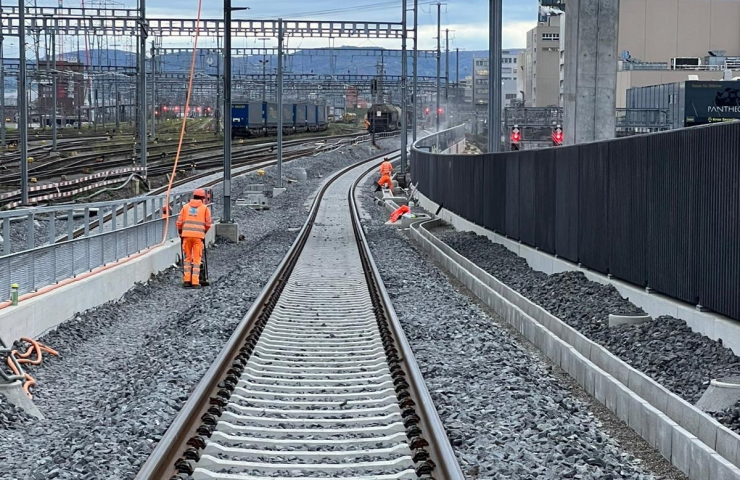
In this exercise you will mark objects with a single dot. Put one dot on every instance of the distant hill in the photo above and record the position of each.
(348, 60)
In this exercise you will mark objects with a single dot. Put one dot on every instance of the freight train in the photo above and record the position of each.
(259, 119)
(383, 118)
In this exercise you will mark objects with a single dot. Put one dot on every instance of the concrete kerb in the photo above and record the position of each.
(663, 419)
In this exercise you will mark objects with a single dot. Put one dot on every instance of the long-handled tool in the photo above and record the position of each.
(204, 267)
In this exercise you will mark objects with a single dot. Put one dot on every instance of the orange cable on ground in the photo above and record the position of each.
(68, 281)
(36, 347)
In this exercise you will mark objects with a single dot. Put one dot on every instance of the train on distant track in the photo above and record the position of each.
(260, 119)
(383, 117)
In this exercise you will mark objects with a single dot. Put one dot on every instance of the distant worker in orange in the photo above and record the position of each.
(192, 224)
(386, 170)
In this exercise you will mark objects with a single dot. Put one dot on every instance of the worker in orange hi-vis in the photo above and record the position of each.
(192, 224)
(386, 168)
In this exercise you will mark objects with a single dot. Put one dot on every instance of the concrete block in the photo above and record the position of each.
(624, 402)
(277, 191)
(721, 469)
(230, 231)
(553, 348)
(664, 435)
(727, 445)
(15, 395)
(682, 413)
(637, 414)
(681, 446)
(708, 427)
(701, 456)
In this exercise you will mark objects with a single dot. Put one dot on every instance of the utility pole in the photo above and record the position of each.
(154, 94)
(447, 66)
(142, 82)
(439, 55)
(227, 112)
(22, 101)
(2, 91)
(280, 105)
(227, 109)
(217, 110)
(415, 67)
(494, 76)
(404, 102)
(53, 87)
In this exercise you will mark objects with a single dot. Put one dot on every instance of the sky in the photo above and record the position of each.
(467, 20)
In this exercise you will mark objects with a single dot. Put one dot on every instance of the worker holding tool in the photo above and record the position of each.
(192, 224)
(386, 169)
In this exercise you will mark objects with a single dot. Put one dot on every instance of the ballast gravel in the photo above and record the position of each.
(126, 368)
(666, 348)
(508, 413)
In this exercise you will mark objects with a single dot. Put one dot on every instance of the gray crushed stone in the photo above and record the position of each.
(126, 368)
(666, 348)
(507, 413)
(12, 417)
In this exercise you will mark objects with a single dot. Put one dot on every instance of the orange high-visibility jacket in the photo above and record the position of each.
(194, 220)
(386, 168)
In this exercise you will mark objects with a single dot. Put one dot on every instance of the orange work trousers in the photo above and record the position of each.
(386, 180)
(193, 248)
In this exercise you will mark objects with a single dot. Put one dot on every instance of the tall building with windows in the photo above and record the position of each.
(541, 64)
(509, 74)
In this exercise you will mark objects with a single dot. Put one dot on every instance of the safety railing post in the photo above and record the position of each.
(70, 225)
(52, 240)
(30, 240)
(87, 238)
(136, 225)
(6, 235)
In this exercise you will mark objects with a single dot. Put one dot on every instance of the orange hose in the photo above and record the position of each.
(95, 271)
(35, 346)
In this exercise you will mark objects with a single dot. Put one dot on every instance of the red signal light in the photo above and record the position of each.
(164, 108)
(441, 110)
(426, 110)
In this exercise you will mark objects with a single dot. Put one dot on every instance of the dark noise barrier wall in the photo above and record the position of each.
(660, 210)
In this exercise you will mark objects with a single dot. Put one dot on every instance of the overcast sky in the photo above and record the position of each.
(466, 19)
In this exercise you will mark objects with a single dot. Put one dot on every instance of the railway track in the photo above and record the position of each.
(318, 380)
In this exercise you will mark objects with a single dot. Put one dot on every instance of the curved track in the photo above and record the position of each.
(318, 380)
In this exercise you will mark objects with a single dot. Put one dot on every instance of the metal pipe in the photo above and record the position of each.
(404, 102)
(22, 101)
(280, 105)
(415, 68)
(142, 82)
(217, 112)
(227, 112)
(439, 57)
(494, 77)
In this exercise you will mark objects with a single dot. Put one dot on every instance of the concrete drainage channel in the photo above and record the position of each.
(693, 441)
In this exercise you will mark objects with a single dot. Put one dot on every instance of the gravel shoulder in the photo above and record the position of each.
(508, 412)
(126, 367)
(665, 349)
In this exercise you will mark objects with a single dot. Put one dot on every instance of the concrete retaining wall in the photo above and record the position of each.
(35, 316)
(693, 441)
(712, 325)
